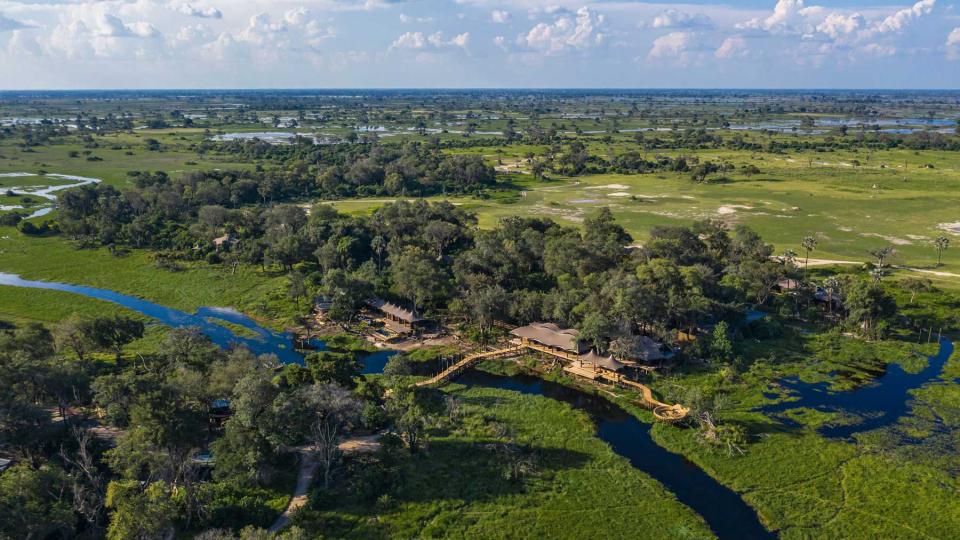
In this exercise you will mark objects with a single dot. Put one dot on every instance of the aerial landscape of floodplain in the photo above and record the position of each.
(387, 269)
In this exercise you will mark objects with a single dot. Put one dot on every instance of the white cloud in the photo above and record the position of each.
(896, 22)
(788, 17)
(110, 26)
(499, 16)
(732, 47)
(410, 40)
(682, 20)
(566, 33)
(407, 19)
(501, 43)
(953, 44)
(672, 45)
(838, 24)
(437, 40)
(208, 12)
(879, 49)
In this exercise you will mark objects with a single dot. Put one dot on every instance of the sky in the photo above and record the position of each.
(83, 44)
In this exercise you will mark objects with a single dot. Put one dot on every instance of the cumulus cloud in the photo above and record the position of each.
(788, 17)
(566, 33)
(682, 20)
(953, 44)
(838, 24)
(732, 47)
(879, 49)
(208, 12)
(437, 40)
(111, 26)
(499, 16)
(903, 17)
(8, 25)
(672, 45)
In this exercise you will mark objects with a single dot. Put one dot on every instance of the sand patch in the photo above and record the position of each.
(732, 209)
(618, 194)
(619, 187)
(892, 239)
(952, 228)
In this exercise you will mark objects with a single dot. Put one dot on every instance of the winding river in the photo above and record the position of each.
(257, 339)
(46, 192)
(723, 509)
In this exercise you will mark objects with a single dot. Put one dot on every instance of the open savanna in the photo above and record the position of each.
(118, 153)
(889, 200)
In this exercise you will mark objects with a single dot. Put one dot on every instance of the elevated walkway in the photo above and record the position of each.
(466, 363)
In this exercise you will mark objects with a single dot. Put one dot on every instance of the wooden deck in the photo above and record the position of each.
(466, 363)
(661, 410)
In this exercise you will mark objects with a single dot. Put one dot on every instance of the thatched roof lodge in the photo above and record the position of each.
(608, 363)
(397, 319)
(551, 336)
(394, 311)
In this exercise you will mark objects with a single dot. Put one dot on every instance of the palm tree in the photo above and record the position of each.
(941, 243)
(809, 243)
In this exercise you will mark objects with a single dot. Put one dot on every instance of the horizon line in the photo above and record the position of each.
(490, 88)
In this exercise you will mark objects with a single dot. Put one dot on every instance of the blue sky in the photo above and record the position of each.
(479, 43)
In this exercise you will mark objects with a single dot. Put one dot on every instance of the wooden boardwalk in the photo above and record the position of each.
(466, 363)
(662, 411)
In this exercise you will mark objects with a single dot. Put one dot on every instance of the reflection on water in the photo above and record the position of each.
(264, 341)
(879, 404)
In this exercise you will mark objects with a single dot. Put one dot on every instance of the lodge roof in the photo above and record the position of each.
(405, 315)
(606, 362)
(550, 335)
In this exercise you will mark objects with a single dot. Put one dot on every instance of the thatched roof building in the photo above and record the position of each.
(394, 311)
(550, 335)
(608, 363)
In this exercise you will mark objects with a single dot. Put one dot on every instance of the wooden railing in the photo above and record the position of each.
(466, 363)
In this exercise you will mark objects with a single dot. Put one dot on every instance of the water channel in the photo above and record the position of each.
(722, 508)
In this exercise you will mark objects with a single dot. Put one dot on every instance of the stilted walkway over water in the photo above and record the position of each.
(466, 363)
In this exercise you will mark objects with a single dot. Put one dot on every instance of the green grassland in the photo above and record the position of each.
(134, 273)
(897, 482)
(849, 209)
(578, 487)
(119, 152)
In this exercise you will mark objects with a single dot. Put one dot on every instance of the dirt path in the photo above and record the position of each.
(308, 470)
(829, 262)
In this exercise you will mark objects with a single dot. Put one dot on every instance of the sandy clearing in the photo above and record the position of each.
(619, 187)
(892, 239)
(732, 209)
(618, 194)
(952, 228)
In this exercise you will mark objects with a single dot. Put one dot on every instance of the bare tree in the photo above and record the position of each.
(331, 411)
(89, 485)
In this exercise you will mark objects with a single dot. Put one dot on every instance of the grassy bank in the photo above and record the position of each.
(578, 487)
